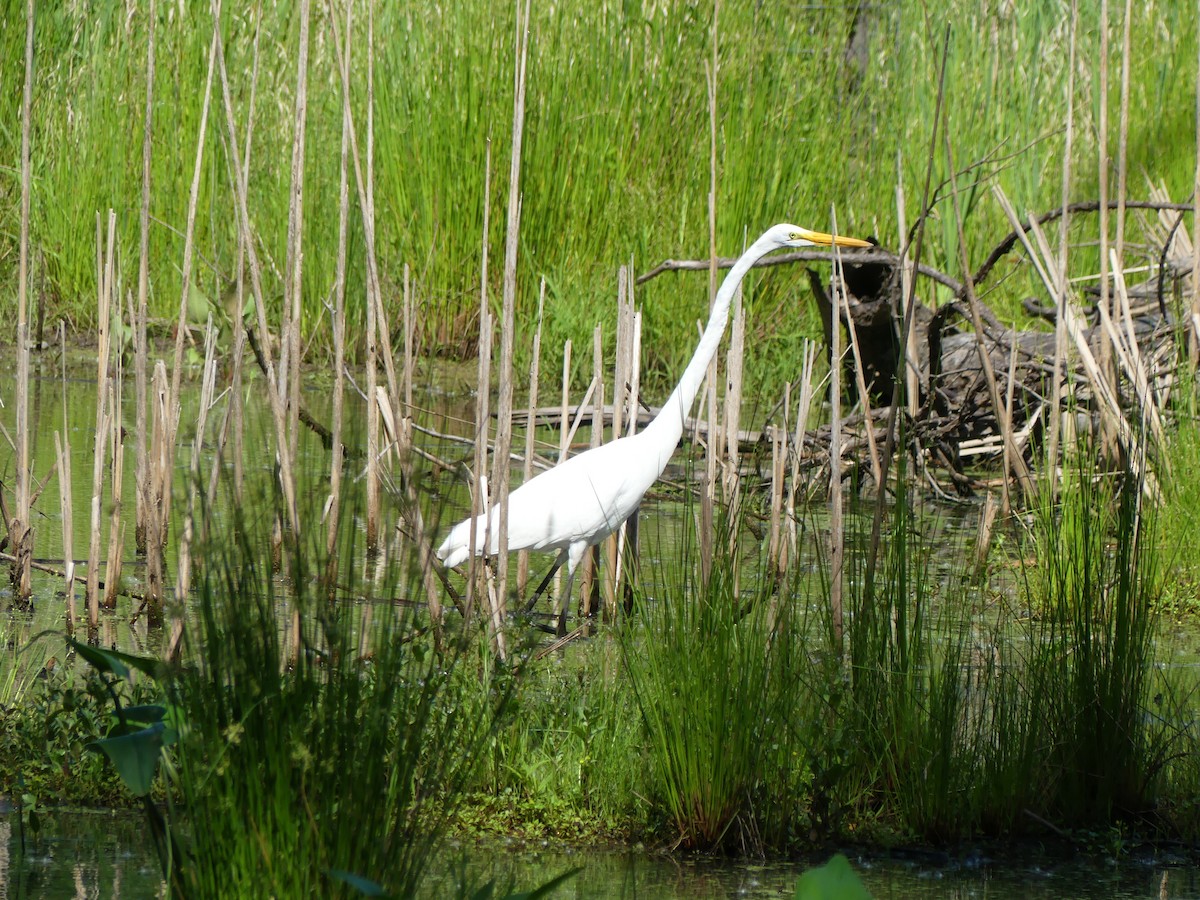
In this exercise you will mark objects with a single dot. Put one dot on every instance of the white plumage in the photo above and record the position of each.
(584, 499)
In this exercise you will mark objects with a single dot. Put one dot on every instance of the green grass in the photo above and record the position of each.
(616, 149)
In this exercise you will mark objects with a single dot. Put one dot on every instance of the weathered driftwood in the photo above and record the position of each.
(955, 425)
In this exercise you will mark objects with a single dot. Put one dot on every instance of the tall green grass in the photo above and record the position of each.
(301, 766)
(948, 715)
(616, 146)
(703, 660)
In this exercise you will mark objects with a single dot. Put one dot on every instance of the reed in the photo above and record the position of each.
(530, 430)
(159, 471)
(62, 451)
(106, 261)
(20, 529)
(508, 322)
(116, 525)
(338, 322)
(482, 396)
(141, 477)
(430, 163)
(267, 755)
(700, 660)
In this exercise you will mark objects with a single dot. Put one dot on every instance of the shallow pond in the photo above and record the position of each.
(105, 854)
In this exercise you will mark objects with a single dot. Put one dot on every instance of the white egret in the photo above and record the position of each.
(584, 499)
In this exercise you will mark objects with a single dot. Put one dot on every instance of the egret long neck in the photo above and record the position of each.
(669, 422)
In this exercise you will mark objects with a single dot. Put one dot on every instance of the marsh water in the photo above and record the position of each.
(63, 401)
(106, 854)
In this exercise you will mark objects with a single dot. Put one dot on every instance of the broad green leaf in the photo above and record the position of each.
(114, 661)
(145, 715)
(135, 756)
(833, 881)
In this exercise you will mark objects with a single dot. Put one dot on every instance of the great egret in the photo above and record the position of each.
(584, 499)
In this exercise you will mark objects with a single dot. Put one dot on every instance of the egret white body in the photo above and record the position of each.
(584, 499)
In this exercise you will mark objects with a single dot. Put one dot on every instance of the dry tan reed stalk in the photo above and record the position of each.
(116, 525)
(912, 375)
(708, 488)
(20, 530)
(338, 321)
(366, 196)
(1060, 294)
(987, 524)
(621, 411)
(530, 429)
(239, 324)
(1018, 469)
(1102, 177)
(372, 377)
(290, 311)
(232, 426)
(729, 453)
(776, 557)
(837, 537)
(500, 463)
(1123, 140)
(289, 332)
(628, 543)
(1111, 417)
(397, 422)
(189, 243)
(104, 298)
(889, 443)
(183, 574)
(159, 467)
(803, 406)
(244, 231)
(62, 454)
(409, 326)
(587, 571)
(1010, 448)
(139, 325)
(365, 187)
(1194, 334)
(708, 492)
(620, 359)
(482, 390)
(1130, 357)
(564, 445)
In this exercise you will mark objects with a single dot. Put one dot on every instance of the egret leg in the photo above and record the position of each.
(541, 589)
(574, 556)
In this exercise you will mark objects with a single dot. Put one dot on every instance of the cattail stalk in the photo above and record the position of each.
(20, 531)
(104, 298)
(500, 463)
(139, 325)
(530, 430)
(482, 390)
(339, 331)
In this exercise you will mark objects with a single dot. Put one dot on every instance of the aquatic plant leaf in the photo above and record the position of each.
(364, 886)
(114, 661)
(135, 756)
(546, 889)
(833, 881)
(145, 715)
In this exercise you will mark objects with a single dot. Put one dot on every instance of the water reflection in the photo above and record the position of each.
(99, 853)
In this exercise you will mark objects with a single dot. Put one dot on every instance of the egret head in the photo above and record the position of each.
(794, 236)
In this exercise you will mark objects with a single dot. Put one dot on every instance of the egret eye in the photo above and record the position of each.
(795, 236)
